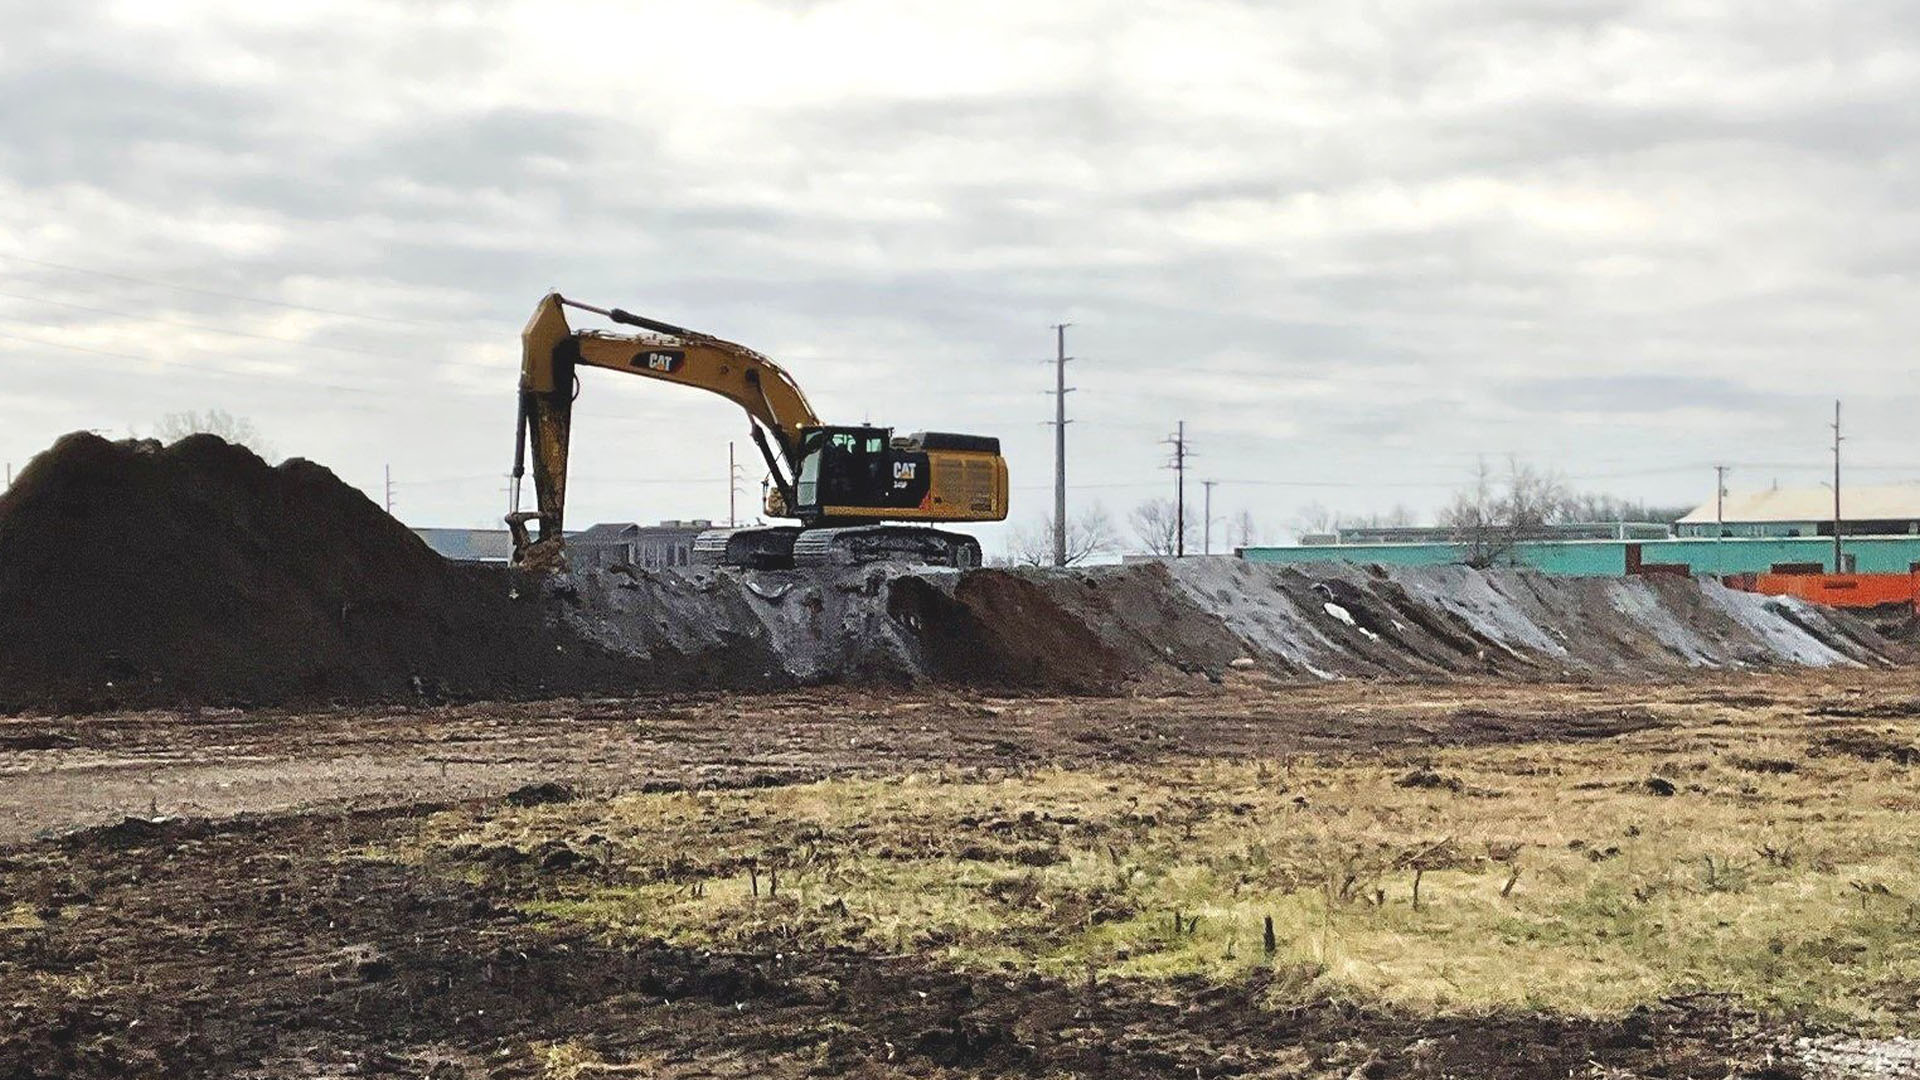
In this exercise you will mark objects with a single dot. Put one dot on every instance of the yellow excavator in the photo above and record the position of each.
(855, 490)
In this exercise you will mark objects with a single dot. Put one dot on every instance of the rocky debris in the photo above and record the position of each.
(774, 628)
(1847, 1057)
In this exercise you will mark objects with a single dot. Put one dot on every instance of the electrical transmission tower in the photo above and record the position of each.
(1060, 391)
(733, 486)
(1179, 443)
(1719, 501)
(1206, 530)
(1839, 559)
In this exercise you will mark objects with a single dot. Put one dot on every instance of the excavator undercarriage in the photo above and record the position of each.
(783, 547)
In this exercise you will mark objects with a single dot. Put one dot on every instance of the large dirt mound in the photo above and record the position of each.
(1098, 629)
(1338, 619)
(134, 573)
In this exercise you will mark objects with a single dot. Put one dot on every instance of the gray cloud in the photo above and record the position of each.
(1637, 394)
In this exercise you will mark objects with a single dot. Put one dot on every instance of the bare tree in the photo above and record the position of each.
(1313, 518)
(237, 430)
(1400, 517)
(1474, 519)
(1488, 517)
(1089, 533)
(1587, 506)
(1245, 527)
(1535, 498)
(1156, 524)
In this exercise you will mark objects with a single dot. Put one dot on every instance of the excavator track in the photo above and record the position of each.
(856, 544)
(760, 548)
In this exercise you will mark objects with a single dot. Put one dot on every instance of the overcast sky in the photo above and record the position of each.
(1354, 245)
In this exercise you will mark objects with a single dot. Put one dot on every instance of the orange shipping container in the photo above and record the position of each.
(1842, 590)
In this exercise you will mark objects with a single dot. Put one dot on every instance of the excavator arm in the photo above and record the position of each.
(551, 354)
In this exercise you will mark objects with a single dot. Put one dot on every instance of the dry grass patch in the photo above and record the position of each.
(1750, 855)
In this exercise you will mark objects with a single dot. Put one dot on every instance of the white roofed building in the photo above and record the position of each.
(1865, 510)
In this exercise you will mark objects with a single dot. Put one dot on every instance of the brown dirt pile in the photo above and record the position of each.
(132, 573)
(1000, 629)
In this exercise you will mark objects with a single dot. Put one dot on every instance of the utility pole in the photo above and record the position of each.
(1060, 392)
(1179, 442)
(389, 490)
(1839, 560)
(1206, 542)
(1719, 501)
(733, 486)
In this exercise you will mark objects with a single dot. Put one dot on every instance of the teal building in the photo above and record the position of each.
(1712, 556)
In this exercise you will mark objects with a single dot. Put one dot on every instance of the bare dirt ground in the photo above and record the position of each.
(249, 932)
(62, 773)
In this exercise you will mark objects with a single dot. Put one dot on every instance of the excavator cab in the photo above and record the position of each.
(864, 474)
(846, 469)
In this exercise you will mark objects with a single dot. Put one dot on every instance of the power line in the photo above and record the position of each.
(1315, 376)
(292, 382)
(197, 326)
(478, 365)
(474, 478)
(235, 296)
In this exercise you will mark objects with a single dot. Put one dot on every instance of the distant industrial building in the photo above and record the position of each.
(1616, 558)
(1781, 530)
(651, 547)
(1440, 534)
(469, 545)
(654, 547)
(1868, 510)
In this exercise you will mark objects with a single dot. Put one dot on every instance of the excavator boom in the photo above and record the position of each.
(551, 352)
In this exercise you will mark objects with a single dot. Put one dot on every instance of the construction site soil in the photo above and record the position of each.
(135, 574)
(210, 888)
(202, 894)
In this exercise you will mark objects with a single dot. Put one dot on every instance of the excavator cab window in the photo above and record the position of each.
(843, 467)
